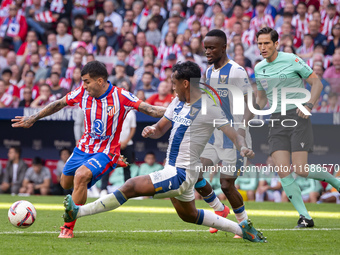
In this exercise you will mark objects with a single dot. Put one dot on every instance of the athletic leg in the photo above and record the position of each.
(299, 159)
(282, 161)
(187, 212)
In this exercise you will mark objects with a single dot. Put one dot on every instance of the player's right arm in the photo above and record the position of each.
(157, 130)
(27, 122)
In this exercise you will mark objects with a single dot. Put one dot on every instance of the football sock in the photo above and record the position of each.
(71, 224)
(259, 197)
(240, 214)
(214, 202)
(293, 192)
(103, 204)
(321, 174)
(209, 219)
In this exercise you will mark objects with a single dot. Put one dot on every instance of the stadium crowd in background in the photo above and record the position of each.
(47, 42)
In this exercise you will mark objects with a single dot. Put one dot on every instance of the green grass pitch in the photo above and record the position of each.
(152, 227)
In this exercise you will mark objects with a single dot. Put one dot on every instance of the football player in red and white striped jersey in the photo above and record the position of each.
(97, 152)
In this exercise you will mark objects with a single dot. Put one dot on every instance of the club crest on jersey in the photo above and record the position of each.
(111, 110)
(223, 78)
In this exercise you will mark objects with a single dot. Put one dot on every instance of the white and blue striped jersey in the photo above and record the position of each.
(191, 131)
(229, 74)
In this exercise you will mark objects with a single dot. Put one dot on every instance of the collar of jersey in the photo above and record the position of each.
(107, 91)
(215, 70)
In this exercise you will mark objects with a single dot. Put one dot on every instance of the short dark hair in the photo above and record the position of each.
(150, 153)
(55, 73)
(331, 6)
(37, 161)
(87, 30)
(287, 14)
(198, 3)
(149, 64)
(218, 33)
(30, 71)
(17, 149)
(95, 69)
(7, 70)
(260, 4)
(186, 71)
(65, 149)
(301, 3)
(147, 73)
(274, 36)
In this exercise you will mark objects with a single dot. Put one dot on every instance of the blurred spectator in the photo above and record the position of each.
(11, 89)
(332, 104)
(269, 188)
(239, 50)
(99, 27)
(102, 47)
(141, 43)
(6, 99)
(163, 97)
(148, 67)
(150, 164)
(168, 46)
(314, 28)
(306, 50)
(332, 74)
(14, 172)
(153, 35)
(141, 95)
(145, 84)
(139, 18)
(77, 62)
(155, 14)
(175, 24)
(329, 21)
(76, 79)
(238, 13)
(110, 14)
(84, 8)
(39, 19)
(44, 97)
(16, 75)
(269, 8)
(248, 8)
(199, 15)
(64, 154)
(37, 179)
(121, 56)
(56, 90)
(133, 59)
(86, 37)
(335, 42)
(261, 19)
(300, 21)
(120, 79)
(28, 83)
(126, 5)
(52, 44)
(239, 59)
(319, 70)
(13, 28)
(27, 97)
(63, 38)
(31, 37)
(11, 58)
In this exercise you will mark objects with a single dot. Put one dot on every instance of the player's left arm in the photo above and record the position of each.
(238, 140)
(152, 110)
(317, 87)
(27, 122)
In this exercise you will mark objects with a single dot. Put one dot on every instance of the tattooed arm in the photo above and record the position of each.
(154, 111)
(27, 122)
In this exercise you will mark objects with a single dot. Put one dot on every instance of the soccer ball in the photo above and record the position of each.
(22, 214)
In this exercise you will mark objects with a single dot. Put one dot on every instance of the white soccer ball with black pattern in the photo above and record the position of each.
(22, 214)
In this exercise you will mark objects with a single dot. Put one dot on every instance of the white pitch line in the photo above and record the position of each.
(163, 231)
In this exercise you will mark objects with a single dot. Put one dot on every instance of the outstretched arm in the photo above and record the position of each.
(153, 111)
(157, 130)
(27, 122)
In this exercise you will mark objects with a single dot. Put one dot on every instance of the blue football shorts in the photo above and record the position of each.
(99, 163)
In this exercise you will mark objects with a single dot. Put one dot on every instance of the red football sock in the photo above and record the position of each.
(71, 224)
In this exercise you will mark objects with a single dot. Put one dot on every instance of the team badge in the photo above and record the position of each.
(111, 110)
(223, 79)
